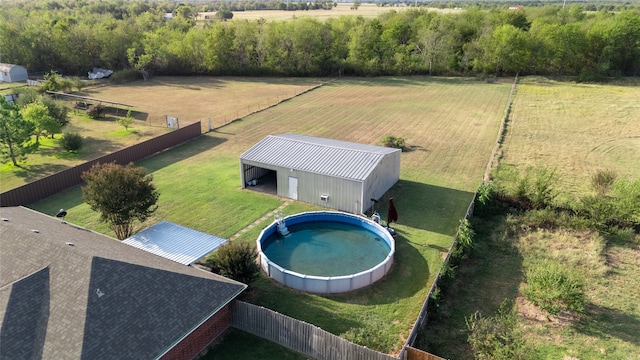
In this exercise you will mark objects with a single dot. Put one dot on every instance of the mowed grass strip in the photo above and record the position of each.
(576, 129)
(451, 129)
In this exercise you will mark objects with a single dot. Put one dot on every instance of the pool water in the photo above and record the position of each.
(324, 248)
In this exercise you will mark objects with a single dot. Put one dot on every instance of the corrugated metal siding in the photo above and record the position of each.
(343, 193)
(316, 155)
(175, 242)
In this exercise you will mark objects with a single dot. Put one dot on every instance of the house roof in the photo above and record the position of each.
(175, 242)
(318, 155)
(69, 293)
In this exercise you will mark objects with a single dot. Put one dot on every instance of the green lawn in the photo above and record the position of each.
(450, 125)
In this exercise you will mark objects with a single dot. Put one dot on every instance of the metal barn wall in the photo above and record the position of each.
(382, 178)
(344, 194)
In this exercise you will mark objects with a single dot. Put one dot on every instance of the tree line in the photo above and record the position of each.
(75, 36)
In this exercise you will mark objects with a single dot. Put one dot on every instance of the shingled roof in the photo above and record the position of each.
(69, 293)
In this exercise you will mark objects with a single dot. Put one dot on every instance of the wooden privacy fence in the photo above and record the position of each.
(297, 335)
(52, 184)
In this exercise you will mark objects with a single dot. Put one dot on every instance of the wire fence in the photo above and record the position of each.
(423, 316)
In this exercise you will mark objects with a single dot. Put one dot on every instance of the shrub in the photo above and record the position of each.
(465, 235)
(394, 142)
(95, 111)
(126, 121)
(496, 337)
(603, 181)
(554, 287)
(71, 141)
(122, 76)
(235, 260)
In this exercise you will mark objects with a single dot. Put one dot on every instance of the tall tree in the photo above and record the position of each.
(121, 194)
(15, 133)
(38, 114)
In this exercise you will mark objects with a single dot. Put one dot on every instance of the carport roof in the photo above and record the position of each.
(175, 242)
(317, 155)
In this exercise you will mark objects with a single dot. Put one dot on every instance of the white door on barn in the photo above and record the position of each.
(293, 188)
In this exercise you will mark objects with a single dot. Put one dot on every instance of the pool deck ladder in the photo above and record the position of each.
(282, 227)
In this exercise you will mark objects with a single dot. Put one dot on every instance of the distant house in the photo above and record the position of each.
(336, 174)
(69, 293)
(12, 73)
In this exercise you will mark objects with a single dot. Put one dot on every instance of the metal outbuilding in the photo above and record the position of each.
(336, 174)
(175, 242)
(13, 73)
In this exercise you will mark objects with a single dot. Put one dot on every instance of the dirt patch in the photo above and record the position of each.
(531, 312)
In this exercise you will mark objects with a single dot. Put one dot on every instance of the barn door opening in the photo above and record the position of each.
(293, 188)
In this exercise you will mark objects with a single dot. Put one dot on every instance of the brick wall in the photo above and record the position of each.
(200, 338)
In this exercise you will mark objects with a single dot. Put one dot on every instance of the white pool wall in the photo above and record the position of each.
(322, 284)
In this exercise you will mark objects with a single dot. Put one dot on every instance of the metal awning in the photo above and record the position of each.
(175, 242)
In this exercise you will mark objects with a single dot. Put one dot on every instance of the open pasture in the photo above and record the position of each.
(450, 126)
(576, 129)
(343, 9)
(189, 99)
(199, 98)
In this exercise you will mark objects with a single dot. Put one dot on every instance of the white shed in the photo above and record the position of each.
(336, 174)
(12, 73)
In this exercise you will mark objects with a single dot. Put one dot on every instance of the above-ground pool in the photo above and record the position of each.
(326, 252)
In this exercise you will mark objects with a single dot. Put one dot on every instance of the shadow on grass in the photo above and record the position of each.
(194, 147)
(602, 322)
(338, 313)
(492, 272)
(427, 207)
(239, 345)
(72, 197)
(34, 172)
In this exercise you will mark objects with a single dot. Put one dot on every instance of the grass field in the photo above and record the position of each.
(189, 99)
(576, 129)
(450, 125)
(343, 9)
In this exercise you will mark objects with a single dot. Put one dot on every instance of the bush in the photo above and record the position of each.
(235, 260)
(603, 181)
(71, 141)
(554, 287)
(496, 337)
(122, 76)
(126, 121)
(394, 142)
(95, 111)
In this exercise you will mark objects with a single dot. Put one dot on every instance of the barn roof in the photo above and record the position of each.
(69, 293)
(317, 155)
(175, 242)
(7, 67)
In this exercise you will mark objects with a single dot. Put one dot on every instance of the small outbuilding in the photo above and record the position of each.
(336, 174)
(13, 73)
